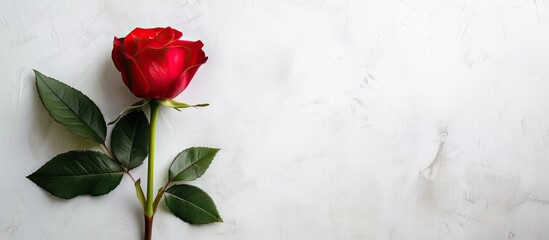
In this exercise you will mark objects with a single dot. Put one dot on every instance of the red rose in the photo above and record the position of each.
(155, 64)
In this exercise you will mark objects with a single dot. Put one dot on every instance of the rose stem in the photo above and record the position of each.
(149, 211)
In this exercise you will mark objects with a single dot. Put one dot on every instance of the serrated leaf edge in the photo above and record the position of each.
(39, 75)
(172, 179)
(219, 219)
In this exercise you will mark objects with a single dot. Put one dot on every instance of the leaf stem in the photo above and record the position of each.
(130, 175)
(149, 209)
(109, 153)
(166, 186)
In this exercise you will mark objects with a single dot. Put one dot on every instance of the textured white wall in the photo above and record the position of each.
(337, 119)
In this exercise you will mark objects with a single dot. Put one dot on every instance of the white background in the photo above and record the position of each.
(337, 119)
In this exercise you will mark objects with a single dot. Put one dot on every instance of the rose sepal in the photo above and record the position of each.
(178, 105)
(139, 104)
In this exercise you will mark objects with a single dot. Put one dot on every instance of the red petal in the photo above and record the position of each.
(195, 55)
(136, 80)
(148, 43)
(166, 35)
(198, 55)
(131, 42)
(141, 38)
(117, 53)
(145, 33)
(176, 34)
(195, 58)
(173, 33)
(185, 78)
(161, 67)
(189, 44)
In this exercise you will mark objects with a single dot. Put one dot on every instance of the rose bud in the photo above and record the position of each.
(155, 64)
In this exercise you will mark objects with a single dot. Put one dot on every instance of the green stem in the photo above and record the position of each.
(149, 210)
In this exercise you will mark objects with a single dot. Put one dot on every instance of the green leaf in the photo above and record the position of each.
(129, 109)
(191, 204)
(71, 108)
(77, 173)
(177, 105)
(191, 163)
(130, 139)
